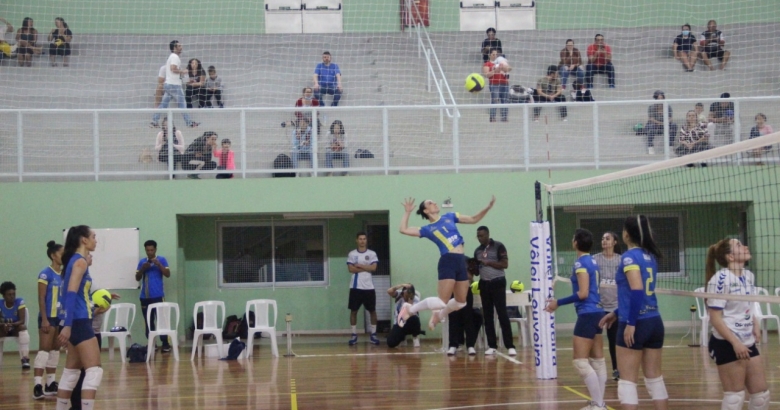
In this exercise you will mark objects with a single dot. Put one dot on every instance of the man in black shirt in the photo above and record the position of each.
(721, 118)
(490, 43)
(712, 42)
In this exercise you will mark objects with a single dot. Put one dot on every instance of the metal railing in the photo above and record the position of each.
(40, 145)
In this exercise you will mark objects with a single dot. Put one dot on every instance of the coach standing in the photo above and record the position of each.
(362, 263)
(150, 272)
(493, 261)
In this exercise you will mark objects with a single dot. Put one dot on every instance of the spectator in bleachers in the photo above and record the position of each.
(685, 48)
(226, 158)
(195, 82)
(337, 145)
(761, 129)
(307, 100)
(26, 40)
(198, 155)
(172, 87)
(5, 48)
(213, 88)
(548, 89)
(59, 42)
(693, 136)
(655, 122)
(570, 63)
(327, 79)
(490, 43)
(580, 93)
(498, 82)
(599, 62)
(712, 42)
(700, 115)
(160, 90)
(301, 142)
(162, 144)
(721, 118)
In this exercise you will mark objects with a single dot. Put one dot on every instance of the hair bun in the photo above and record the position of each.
(51, 244)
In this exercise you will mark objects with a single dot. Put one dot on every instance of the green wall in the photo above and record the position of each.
(182, 215)
(247, 17)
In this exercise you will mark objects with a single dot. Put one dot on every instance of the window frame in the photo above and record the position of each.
(272, 223)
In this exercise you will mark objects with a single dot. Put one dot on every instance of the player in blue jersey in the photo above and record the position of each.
(443, 231)
(76, 320)
(640, 328)
(48, 297)
(14, 313)
(588, 343)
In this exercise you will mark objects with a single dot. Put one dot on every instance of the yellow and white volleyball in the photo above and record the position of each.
(58, 42)
(517, 286)
(475, 288)
(102, 299)
(475, 83)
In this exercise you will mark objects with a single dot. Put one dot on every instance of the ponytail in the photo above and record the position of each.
(638, 229)
(73, 242)
(716, 252)
(421, 211)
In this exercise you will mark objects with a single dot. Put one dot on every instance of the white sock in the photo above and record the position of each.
(594, 388)
(62, 404)
(452, 306)
(50, 378)
(373, 329)
(38, 380)
(87, 404)
(354, 330)
(431, 303)
(600, 366)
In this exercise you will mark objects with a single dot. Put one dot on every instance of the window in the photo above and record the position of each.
(667, 232)
(289, 253)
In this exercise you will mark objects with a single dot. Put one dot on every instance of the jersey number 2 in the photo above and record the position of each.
(648, 282)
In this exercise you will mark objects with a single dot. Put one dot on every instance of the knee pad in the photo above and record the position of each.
(733, 400)
(583, 367)
(656, 388)
(759, 401)
(24, 337)
(627, 393)
(92, 378)
(54, 359)
(69, 379)
(599, 365)
(40, 359)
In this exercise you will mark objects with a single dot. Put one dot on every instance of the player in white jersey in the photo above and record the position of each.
(735, 328)
(362, 263)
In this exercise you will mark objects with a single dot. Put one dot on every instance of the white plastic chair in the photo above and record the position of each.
(163, 327)
(704, 317)
(522, 300)
(14, 338)
(124, 316)
(263, 323)
(763, 317)
(212, 324)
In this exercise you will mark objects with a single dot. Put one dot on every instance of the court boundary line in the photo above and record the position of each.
(526, 403)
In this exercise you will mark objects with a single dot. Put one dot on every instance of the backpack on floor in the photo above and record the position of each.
(243, 328)
(283, 161)
(232, 323)
(136, 353)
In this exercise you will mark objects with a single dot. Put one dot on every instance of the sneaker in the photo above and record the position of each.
(472, 351)
(193, 176)
(612, 86)
(166, 349)
(38, 392)
(193, 124)
(650, 151)
(353, 340)
(154, 125)
(416, 342)
(512, 352)
(25, 364)
(451, 351)
(615, 375)
(372, 339)
(51, 389)
(490, 351)
(403, 315)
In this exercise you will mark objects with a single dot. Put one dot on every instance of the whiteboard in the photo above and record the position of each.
(115, 259)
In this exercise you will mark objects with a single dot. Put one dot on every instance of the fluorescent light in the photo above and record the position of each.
(319, 215)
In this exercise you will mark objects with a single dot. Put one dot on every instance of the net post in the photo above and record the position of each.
(538, 198)
(544, 337)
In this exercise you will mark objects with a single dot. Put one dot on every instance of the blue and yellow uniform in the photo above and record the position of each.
(589, 311)
(444, 233)
(53, 281)
(11, 314)
(649, 331)
(76, 310)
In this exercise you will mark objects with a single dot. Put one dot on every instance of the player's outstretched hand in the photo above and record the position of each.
(408, 204)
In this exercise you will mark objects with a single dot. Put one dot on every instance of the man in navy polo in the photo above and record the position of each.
(327, 80)
(150, 272)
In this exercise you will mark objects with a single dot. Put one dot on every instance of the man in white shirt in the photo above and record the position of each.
(172, 86)
(361, 263)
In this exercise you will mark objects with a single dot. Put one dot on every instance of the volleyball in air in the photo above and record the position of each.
(102, 299)
(475, 83)
(517, 286)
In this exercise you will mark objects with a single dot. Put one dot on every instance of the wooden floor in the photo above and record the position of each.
(327, 374)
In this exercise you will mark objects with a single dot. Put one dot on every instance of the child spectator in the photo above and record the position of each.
(337, 147)
(213, 88)
(700, 115)
(301, 142)
(761, 129)
(226, 159)
(580, 93)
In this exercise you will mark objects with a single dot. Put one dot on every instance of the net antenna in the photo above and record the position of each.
(692, 202)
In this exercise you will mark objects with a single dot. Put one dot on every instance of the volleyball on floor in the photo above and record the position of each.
(102, 299)
(475, 83)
